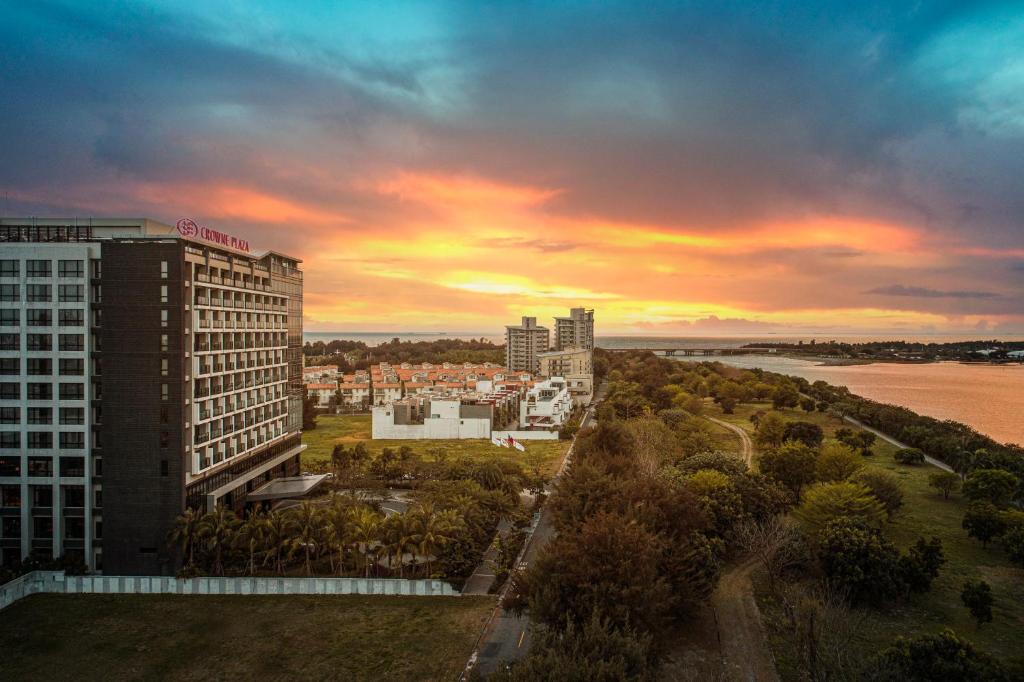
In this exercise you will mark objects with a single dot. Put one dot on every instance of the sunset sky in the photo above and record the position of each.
(688, 168)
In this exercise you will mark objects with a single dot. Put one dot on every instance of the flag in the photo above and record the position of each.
(519, 446)
(497, 441)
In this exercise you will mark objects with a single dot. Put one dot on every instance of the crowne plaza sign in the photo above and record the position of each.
(188, 229)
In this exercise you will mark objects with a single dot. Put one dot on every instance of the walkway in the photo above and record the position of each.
(889, 439)
(746, 444)
(745, 652)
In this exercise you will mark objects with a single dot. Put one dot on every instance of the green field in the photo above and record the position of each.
(134, 637)
(926, 514)
(351, 429)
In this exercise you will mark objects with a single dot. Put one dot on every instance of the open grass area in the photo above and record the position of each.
(351, 429)
(926, 514)
(136, 637)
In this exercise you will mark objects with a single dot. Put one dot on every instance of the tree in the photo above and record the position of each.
(945, 482)
(909, 456)
(977, 597)
(983, 522)
(864, 441)
(308, 411)
(793, 465)
(885, 486)
(825, 502)
(365, 532)
(217, 529)
(1013, 543)
(932, 657)
(279, 540)
(920, 566)
(306, 524)
(770, 431)
(626, 399)
(185, 533)
(991, 485)
(807, 404)
(251, 536)
(807, 433)
(785, 395)
(837, 462)
(775, 543)
(859, 561)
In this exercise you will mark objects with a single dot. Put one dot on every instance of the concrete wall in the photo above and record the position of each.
(528, 435)
(55, 582)
(383, 426)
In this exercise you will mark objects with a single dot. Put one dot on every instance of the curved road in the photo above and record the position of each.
(745, 442)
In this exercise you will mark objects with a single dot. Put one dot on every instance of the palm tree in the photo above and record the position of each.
(185, 532)
(337, 530)
(366, 528)
(398, 533)
(218, 530)
(252, 536)
(307, 523)
(278, 538)
(434, 530)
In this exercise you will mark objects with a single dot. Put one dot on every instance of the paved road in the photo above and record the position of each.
(507, 637)
(745, 442)
(889, 439)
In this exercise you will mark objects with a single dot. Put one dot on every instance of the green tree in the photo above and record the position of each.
(837, 462)
(946, 482)
(884, 485)
(785, 395)
(279, 540)
(1013, 543)
(251, 537)
(306, 523)
(859, 561)
(825, 502)
(991, 485)
(793, 465)
(807, 404)
(909, 456)
(185, 534)
(921, 564)
(983, 522)
(933, 657)
(807, 433)
(977, 597)
(365, 533)
(770, 431)
(217, 529)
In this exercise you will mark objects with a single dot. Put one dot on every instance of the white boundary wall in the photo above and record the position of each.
(55, 582)
(528, 435)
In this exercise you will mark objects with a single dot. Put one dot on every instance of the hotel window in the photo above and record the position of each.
(40, 318)
(8, 268)
(72, 466)
(40, 342)
(163, 318)
(71, 318)
(163, 293)
(164, 367)
(42, 526)
(40, 415)
(9, 292)
(12, 526)
(164, 342)
(72, 366)
(39, 293)
(38, 268)
(97, 268)
(39, 440)
(10, 439)
(70, 268)
(72, 391)
(9, 366)
(71, 293)
(165, 417)
(163, 269)
(10, 466)
(10, 318)
(40, 391)
(40, 367)
(10, 342)
(72, 342)
(164, 392)
(74, 527)
(72, 415)
(10, 391)
(72, 440)
(10, 415)
(10, 496)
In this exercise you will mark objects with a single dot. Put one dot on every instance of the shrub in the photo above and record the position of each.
(837, 462)
(983, 522)
(826, 502)
(945, 482)
(991, 485)
(921, 564)
(884, 485)
(860, 562)
(977, 597)
(807, 433)
(909, 456)
(792, 465)
(942, 656)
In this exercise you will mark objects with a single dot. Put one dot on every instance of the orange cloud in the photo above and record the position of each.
(229, 201)
(462, 191)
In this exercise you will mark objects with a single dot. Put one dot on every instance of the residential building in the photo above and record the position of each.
(548, 405)
(324, 395)
(458, 415)
(321, 374)
(145, 369)
(355, 393)
(523, 343)
(575, 365)
(575, 331)
(385, 392)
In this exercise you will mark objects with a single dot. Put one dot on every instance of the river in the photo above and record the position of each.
(987, 397)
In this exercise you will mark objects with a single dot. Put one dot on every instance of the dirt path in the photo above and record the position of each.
(745, 653)
(747, 444)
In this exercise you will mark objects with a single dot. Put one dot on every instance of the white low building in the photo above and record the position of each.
(547, 405)
(322, 394)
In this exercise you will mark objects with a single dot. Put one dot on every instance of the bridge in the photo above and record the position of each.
(688, 352)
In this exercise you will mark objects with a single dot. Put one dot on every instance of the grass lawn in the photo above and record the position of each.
(351, 429)
(135, 637)
(926, 514)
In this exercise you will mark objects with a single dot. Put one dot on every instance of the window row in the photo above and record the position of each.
(42, 366)
(11, 317)
(42, 527)
(43, 293)
(42, 268)
(10, 390)
(43, 440)
(43, 342)
(68, 416)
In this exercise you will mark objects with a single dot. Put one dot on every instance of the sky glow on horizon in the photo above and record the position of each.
(685, 168)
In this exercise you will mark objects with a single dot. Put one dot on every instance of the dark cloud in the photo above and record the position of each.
(922, 292)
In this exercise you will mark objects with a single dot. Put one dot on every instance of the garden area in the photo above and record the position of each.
(129, 637)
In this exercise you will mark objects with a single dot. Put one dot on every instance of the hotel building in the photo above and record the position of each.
(575, 331)
(523, 343)
(143, 369)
